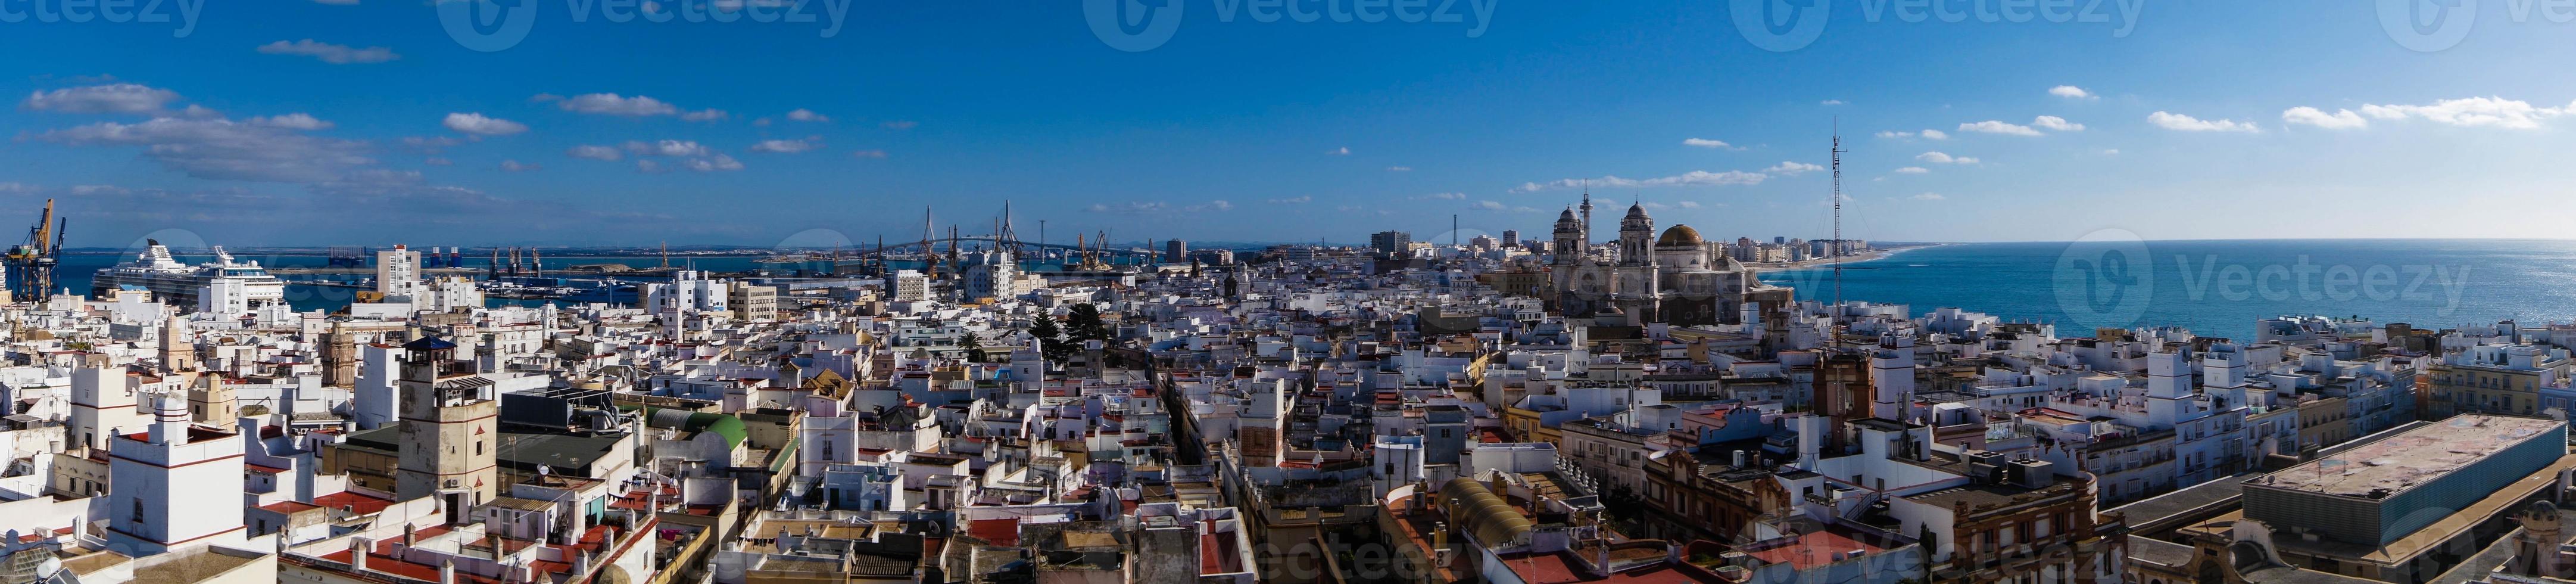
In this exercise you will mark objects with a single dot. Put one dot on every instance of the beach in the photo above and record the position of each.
(1865, 256)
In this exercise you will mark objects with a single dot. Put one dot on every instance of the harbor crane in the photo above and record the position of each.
(31, 264)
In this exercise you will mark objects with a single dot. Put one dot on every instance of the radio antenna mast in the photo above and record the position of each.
(1838, 210)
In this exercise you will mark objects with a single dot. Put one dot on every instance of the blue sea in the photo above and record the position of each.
(2219, 288)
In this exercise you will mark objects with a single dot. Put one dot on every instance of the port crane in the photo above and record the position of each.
(31, 264)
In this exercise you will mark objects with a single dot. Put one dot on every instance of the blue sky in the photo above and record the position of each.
(1235, 129)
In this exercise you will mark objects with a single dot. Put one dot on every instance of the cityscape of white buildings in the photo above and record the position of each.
(1643, 409)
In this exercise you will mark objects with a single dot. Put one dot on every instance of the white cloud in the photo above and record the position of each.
(437, 161)
(1706, 143)
(1342, 151)
(1792, 168)
(1399, 169)
(2071, 92)
(1913, 170)
(1687, 204)
(1929, 197)
(806, 115)
(1297, 200)
(1446, 196)
(1831, 102)
(788, 146)
(1927, 134)
(593, 152)
(2110, 151)
(705, 115)
(617, 105)
(118, 98)
(1998, 127)
(718, 163)
(330, 53)
(1937, 157)
(2179, 122)
(2473, 112)
(2340, 120)
(227, 150)
(900, 125)
(479, 125)
(2057, 123)
(516, 166)
(871, 154)
(668, 148)
(647, 165)
(294, 121)
(1696, 178)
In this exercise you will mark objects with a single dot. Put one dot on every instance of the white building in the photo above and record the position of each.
(176, 485)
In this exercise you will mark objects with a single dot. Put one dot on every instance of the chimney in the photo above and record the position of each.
(409, 531)
(447, 572)
(358, 554)
(1439, 540)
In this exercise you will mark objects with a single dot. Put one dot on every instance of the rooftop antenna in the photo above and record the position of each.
(1838, 210)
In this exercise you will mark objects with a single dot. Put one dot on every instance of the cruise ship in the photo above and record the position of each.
(174, 282)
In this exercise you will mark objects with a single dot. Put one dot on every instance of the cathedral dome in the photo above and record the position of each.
(1637, 211)
(1679, 235)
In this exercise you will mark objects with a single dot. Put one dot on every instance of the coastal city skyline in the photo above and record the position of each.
(1287, 292)
(1499, 121)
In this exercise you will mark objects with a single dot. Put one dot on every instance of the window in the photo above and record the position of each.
(138, 510)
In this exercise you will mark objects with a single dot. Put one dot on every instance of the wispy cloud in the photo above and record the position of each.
(1927, 134)
(788, 146)
(1707, 143)
(330, 53)
(2057, 124)
(2493, 112)
(2184, 123)
(480, 125)
(1913, 170)
(1296, 200)
(2339, 120)
(1696, 178)
(2071, 92)
(1998, 127)
(610, 104)
(1792, 168)
(1929, 197)
(1937, 157)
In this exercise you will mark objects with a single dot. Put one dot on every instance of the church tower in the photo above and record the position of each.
(1636, 232)
(178, 348)
(1569, 238)
(340, 356)
(448, 430)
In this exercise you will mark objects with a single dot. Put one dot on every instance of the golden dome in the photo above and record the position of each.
(1679, 235)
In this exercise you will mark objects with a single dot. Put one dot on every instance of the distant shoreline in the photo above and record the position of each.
(1863, 257)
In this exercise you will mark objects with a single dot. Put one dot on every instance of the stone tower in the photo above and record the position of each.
(339, 356)
(448, 430)
(178, 350)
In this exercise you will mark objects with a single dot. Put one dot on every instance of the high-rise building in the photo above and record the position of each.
(1394, 242)
(448, 418)
(1511, 238)
(398, 271)
(1176, 251)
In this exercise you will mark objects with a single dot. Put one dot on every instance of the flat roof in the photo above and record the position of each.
(2413, 458)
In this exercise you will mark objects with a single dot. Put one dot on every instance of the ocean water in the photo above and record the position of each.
(2219, 288)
